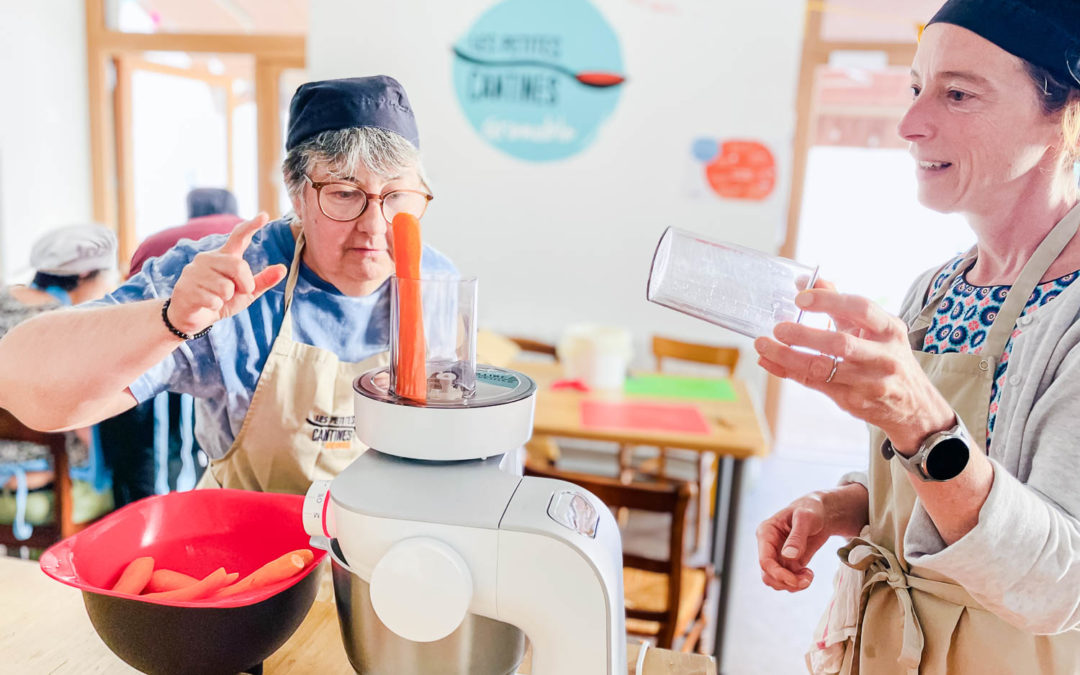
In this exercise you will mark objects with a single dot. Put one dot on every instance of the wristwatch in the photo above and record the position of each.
(941, 457)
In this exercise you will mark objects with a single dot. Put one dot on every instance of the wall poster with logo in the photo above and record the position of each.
(537, 79)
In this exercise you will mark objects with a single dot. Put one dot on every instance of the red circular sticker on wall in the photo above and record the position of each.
(742, 170)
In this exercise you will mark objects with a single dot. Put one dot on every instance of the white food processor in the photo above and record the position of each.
(445, 558)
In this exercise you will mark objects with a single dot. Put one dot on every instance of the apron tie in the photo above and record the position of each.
(879, 564)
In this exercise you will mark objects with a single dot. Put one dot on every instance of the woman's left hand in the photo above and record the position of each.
(876, 377)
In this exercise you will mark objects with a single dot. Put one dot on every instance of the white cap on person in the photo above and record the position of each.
(74, 250)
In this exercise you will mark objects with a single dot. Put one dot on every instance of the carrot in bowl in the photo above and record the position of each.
(272, 572)
(135, 576)
(205, 587)
(168, 580)
(411, 367)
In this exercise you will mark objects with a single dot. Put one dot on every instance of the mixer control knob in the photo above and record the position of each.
(318, 515)
(421, 589)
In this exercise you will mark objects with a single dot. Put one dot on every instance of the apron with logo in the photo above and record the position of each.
(299, 426)
(916, 621)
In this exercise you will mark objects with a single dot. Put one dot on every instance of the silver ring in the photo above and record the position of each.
(832, 373)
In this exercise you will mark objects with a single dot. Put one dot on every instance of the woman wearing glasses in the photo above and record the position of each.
(266, 327)
(965, 549)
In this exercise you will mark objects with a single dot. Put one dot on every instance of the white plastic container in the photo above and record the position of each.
(597, 355)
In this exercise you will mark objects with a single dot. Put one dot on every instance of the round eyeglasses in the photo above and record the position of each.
(347, 201)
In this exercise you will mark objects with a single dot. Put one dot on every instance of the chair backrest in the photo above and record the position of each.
(11, 429)
(535, 346)
(671, 497)
(668, 348)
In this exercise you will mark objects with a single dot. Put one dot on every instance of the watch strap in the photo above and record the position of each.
(916, 464)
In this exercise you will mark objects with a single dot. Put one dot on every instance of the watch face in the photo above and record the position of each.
(947, 459)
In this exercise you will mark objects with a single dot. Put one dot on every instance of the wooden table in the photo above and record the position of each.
(44, 628)
(735, 434)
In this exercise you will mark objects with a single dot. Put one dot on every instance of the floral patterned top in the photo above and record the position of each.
(965, 314)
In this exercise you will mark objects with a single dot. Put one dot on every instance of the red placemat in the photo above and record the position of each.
(683, 419)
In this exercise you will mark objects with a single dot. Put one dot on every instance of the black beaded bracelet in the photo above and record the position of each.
(176, 331)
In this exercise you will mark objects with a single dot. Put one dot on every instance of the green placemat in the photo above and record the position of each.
(669, 386)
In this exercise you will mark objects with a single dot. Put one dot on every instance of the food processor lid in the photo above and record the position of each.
(497, 418)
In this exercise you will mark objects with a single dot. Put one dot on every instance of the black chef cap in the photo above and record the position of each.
(1043, 32)
(378, 101)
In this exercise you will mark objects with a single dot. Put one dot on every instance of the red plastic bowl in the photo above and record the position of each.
(195, 533)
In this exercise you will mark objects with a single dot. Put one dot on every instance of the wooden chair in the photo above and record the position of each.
(665, 600)
(541, 448)
(536, 347)
(11, 429)
(678, 350)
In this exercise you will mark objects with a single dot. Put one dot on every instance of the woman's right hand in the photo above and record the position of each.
(789, 539)
(218, 284)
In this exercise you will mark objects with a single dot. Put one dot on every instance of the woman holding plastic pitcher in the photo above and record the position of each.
(965, 533)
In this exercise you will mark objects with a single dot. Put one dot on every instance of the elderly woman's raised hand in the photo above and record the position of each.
(866, 366)
(217, 284)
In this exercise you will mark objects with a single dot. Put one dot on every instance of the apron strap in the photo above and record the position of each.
(1045, 254)
(290, 285)
(1037, 265)
(923, 320)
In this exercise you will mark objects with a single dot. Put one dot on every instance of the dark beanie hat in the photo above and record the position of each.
(1043, 32)
(329, 105)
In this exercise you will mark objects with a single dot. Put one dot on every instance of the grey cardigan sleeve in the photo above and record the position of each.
(1022, 559)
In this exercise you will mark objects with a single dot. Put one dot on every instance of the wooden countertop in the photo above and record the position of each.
(44, 628)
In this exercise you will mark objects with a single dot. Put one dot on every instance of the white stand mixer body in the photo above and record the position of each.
(437, 539)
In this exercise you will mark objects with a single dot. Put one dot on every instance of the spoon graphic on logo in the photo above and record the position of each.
(589, 78)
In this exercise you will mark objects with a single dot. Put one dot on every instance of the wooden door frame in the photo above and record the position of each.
(110, 116)
(815, 53)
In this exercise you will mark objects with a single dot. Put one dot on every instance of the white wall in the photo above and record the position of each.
(571, 241)
(44, 130)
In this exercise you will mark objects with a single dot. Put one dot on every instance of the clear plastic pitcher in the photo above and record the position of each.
(449, 334)
(739, 288)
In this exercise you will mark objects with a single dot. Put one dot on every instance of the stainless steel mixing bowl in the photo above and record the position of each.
(479, 646)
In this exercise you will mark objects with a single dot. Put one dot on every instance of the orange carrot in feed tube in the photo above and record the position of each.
(411, 366)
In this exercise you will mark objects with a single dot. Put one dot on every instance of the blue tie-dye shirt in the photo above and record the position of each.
(222, 369)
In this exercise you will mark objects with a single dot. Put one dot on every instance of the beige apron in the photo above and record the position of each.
(299, 426)
(916, 621)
